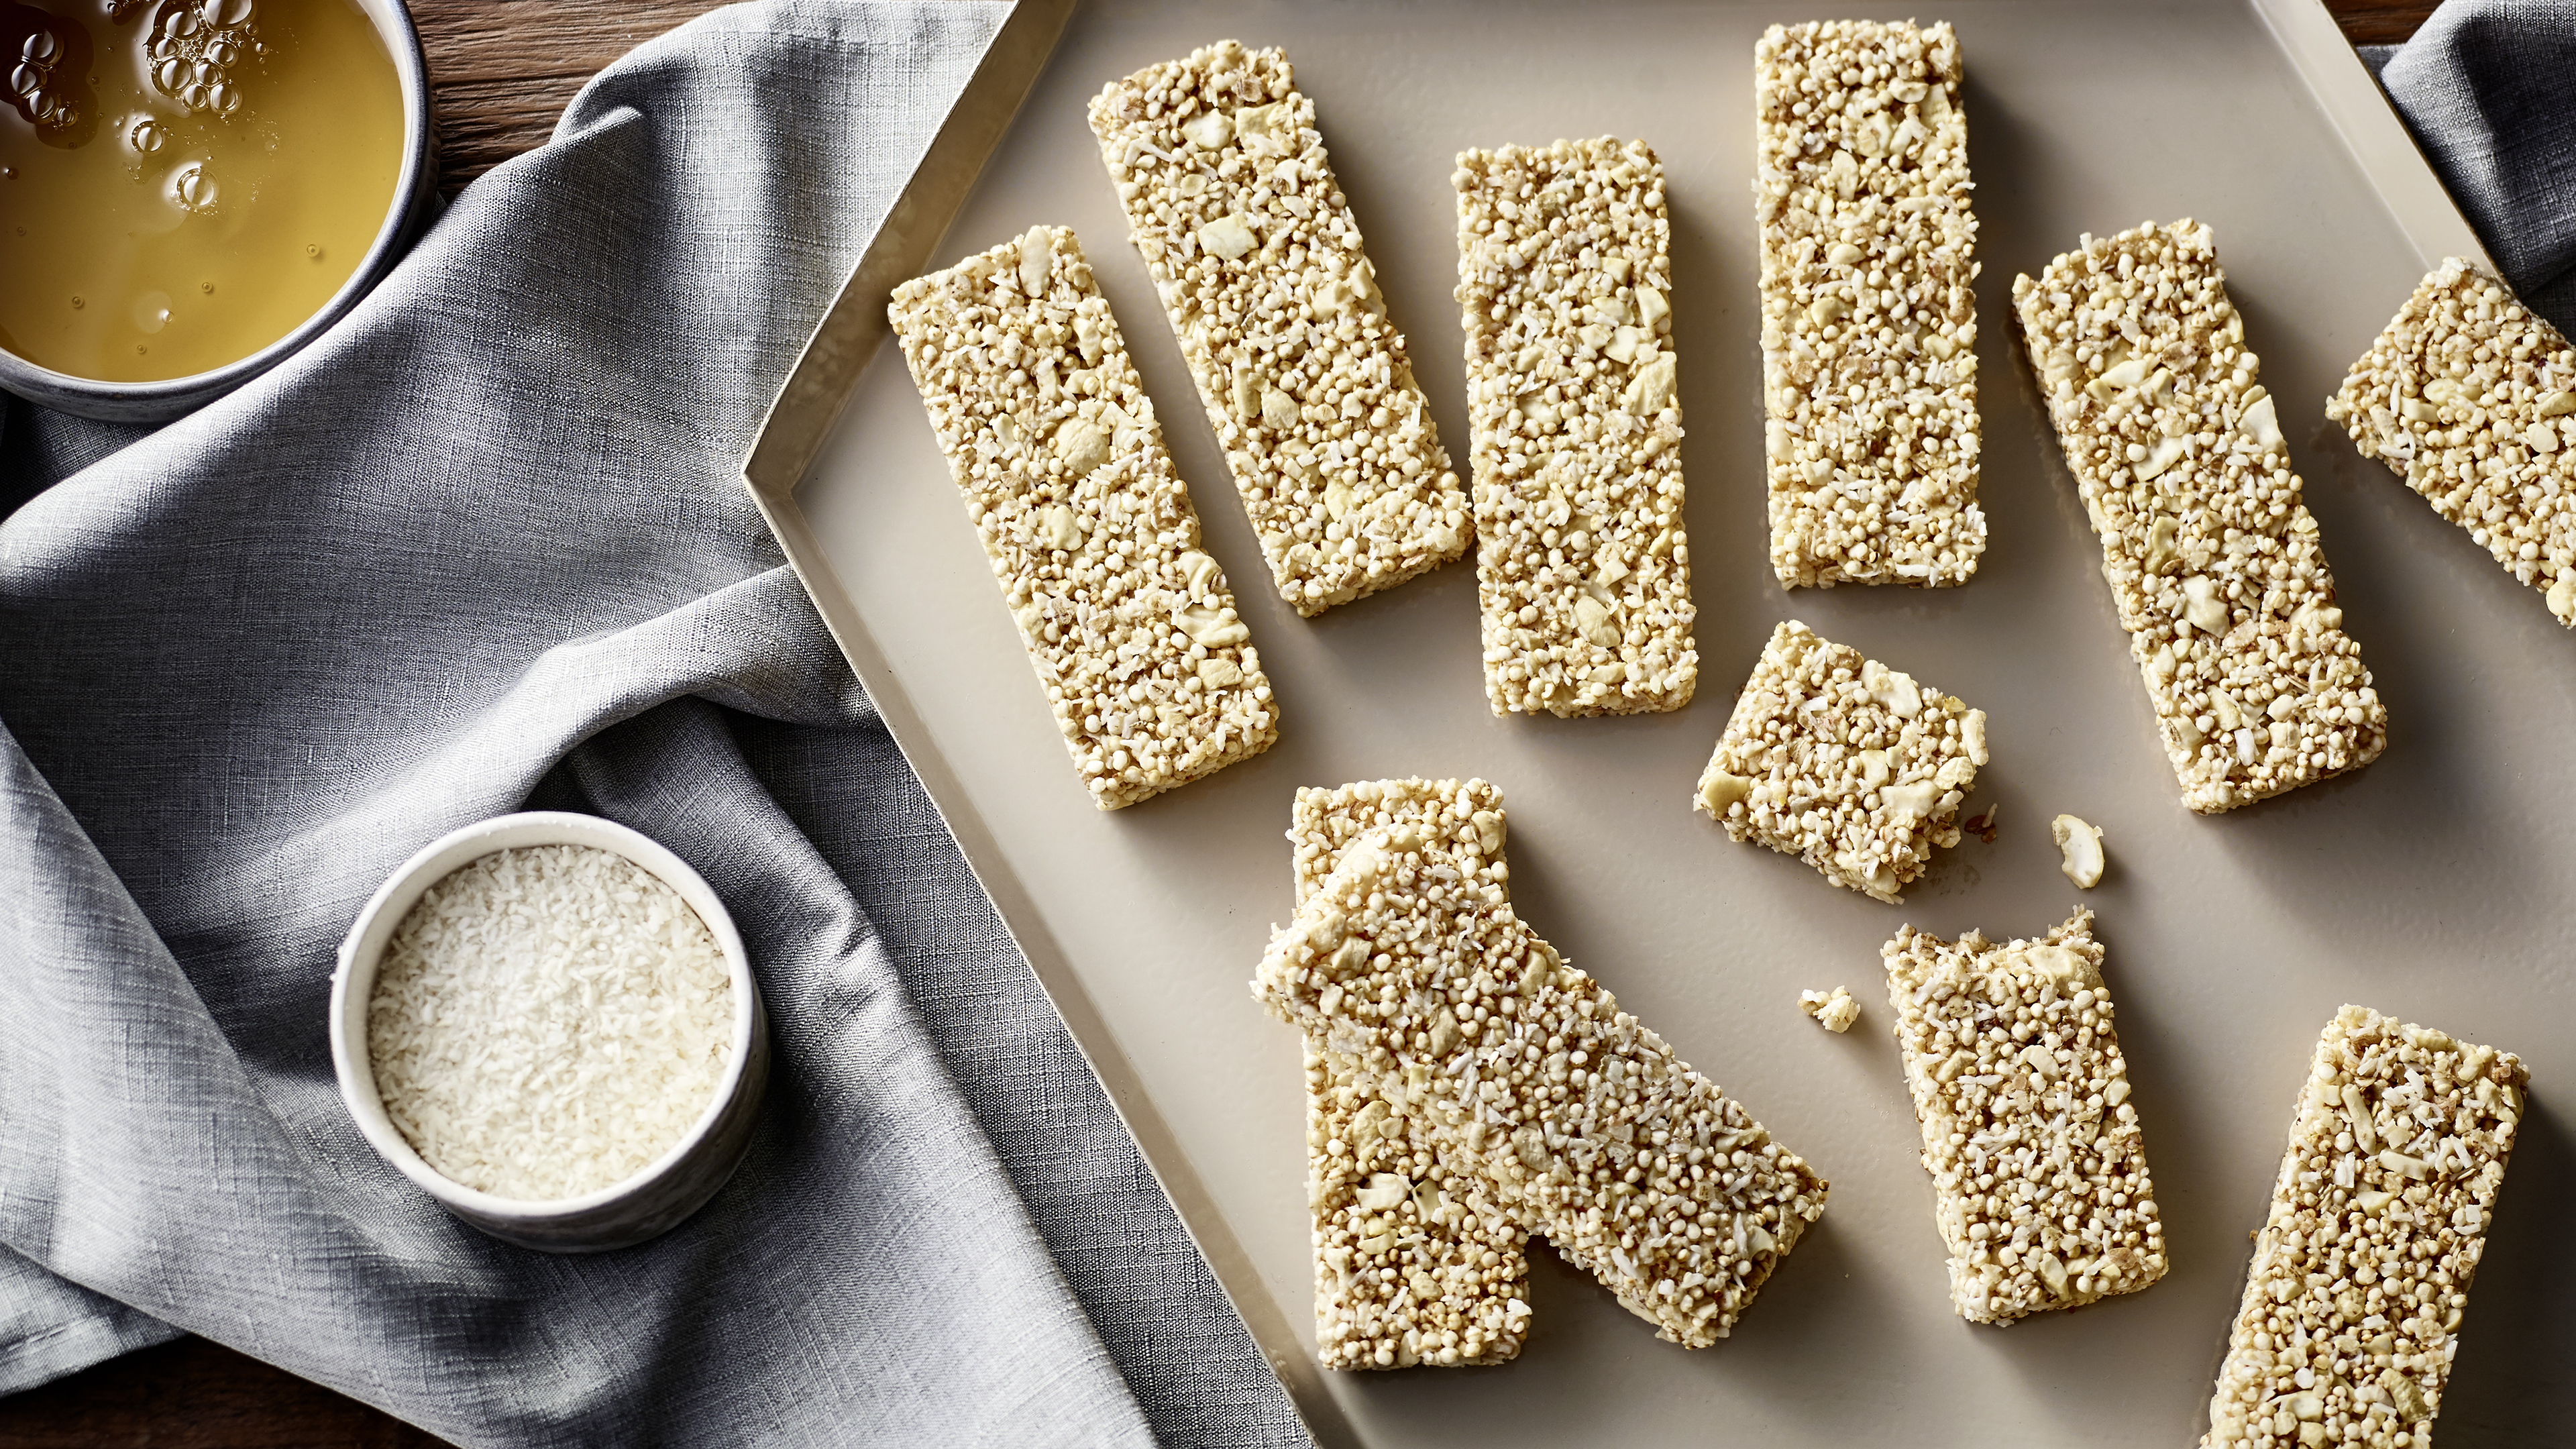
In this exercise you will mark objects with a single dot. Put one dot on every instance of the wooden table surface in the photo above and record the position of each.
(501, 72)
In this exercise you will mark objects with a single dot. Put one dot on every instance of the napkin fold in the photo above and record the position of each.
(2489, 89)
(484, 547)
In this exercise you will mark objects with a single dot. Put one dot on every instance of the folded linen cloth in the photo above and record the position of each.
(484, 547)
(2489, 89)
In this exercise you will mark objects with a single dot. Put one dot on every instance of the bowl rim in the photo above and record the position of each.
(165, 398)
(359, 956)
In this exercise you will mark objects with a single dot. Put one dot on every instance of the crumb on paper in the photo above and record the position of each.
(2080, 845)
(1835, 1012)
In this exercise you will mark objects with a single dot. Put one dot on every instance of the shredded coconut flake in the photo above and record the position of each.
(547, 1021)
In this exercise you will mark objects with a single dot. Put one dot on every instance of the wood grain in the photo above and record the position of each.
(2381, 22)
(501, 72)
(191, 1394)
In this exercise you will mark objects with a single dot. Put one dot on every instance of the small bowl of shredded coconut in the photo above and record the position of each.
(547, 1022)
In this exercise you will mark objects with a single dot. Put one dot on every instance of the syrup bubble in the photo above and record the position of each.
(196, 190)
(40, 46)
(223, 98)
(26, 80)
(228, 12)
(149, 136)
(172, 75)
(77, 303)
(223, 53)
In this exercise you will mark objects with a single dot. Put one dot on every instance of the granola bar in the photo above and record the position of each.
(1148, 669)
(1564, 291)
(2471, 397)
(2212, 556)
(1414, 1264)
(2361, 1271)
(1232, 202)
(2038, 1169)
(1869, 316)
(1842, 762)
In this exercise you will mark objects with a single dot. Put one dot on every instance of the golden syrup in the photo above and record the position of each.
(182, 182)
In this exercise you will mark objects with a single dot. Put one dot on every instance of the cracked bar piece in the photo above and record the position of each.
(1638, 1169)
(1844, 763)
(2212, 557)
(1413, 1264)
(1151, 674)
(2361, 1272)
(2471, 397)
(1233, 204)
(1869, 317)
(1564, 290)
(2016, 1073)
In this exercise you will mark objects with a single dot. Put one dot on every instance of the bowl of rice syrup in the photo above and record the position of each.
(547, 1023)
(190, 190)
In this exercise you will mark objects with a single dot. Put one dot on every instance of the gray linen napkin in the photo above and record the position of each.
(484, 547)
(2489, 89)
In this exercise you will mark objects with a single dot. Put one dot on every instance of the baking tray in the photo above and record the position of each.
(2428, 884)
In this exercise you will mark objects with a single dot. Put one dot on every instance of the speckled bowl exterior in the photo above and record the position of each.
(666, 1191)
(415, 202)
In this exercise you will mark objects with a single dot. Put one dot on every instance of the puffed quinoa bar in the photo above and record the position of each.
(2361, 1272)
(2471, 397)
(2039, 1174)
(1251, 244)
(1869, 317)
(1151, 675)
(1413, 1265)
(1564, 290)
(2212, 557)
(1638, 1169)
(1842, 762)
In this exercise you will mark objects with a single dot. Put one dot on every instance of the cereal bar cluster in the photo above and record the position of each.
(1232, 203)
(1637, 1169)
(1151, 674)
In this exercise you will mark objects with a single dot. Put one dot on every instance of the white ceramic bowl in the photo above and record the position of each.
(415, 198)
(653, 1200)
